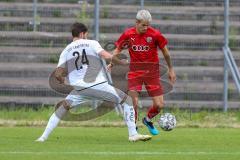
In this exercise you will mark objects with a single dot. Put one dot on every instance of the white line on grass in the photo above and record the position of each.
(123, 153)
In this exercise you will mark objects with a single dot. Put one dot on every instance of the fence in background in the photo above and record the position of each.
(195, 30)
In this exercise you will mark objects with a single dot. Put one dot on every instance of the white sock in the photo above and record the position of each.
(148, 119)
(129, 117)
(52, 123)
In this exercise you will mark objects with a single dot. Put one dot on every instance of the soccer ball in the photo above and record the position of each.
(167, 121)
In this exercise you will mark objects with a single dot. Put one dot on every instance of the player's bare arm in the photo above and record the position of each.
(172, 75)
(105, 55)
(115, 59)
(60, 74)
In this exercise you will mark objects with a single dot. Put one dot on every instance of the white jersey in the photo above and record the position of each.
(82, 61)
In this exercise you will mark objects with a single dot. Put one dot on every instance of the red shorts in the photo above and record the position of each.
(149, 77)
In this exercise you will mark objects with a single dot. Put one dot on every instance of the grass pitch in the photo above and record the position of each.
(101, 143)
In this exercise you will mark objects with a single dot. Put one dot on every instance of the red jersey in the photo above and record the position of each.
(142, 47)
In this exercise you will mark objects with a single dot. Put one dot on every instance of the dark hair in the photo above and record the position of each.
(78, 28)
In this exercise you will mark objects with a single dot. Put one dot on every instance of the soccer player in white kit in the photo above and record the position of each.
(80, 63)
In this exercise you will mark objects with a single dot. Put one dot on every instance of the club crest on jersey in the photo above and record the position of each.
(149, 39)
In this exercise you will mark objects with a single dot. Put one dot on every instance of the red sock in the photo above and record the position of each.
(153, 111)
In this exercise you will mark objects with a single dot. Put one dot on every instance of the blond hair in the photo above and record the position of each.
(144, 15)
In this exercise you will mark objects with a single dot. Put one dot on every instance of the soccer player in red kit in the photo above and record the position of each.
(143, 42)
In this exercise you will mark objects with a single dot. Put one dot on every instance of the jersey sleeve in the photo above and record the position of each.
(62, 59)
(122, 41)
(161, 40)
(97, 48)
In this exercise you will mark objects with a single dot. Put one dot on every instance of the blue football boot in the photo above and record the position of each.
(150, 127)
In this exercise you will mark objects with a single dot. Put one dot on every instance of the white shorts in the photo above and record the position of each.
(103, 92)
